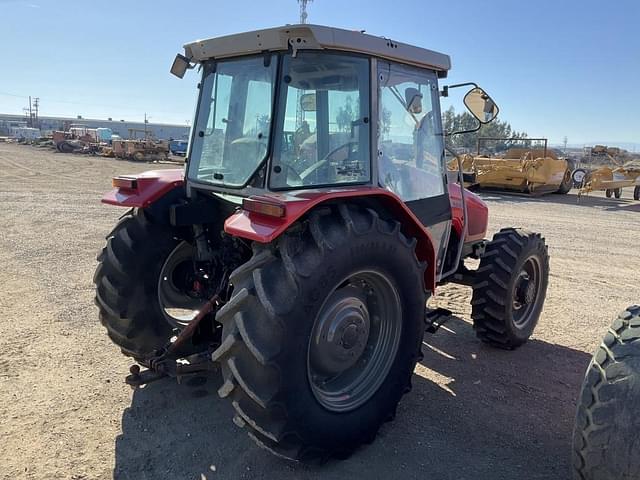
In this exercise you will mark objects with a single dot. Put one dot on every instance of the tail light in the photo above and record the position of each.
(127, 183)
(264, 207)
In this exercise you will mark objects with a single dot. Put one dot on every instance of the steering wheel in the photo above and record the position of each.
(326, 161)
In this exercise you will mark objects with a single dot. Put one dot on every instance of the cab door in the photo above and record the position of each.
(411, 159)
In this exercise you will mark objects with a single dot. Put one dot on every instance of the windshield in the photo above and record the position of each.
(323, 122)
(232, 129)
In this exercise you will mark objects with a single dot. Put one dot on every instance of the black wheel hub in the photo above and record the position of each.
(526, 291)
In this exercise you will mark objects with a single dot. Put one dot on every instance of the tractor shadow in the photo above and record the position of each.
(474, 413)
(571, 199)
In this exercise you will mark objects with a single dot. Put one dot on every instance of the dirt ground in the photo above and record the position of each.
(474, 412)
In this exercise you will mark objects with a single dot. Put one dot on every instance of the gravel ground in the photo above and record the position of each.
(474, 412)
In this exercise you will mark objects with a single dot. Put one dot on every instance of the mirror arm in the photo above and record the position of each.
(445, 90)
(445, 93)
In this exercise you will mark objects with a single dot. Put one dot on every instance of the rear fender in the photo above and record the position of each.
(265, 229)
(146, 188)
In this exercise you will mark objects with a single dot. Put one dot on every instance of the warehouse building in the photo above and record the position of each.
(125, 129)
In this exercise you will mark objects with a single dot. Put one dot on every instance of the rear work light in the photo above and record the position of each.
(263, 207)
(128, 183)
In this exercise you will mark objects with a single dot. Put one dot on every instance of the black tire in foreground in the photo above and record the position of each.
(608, 193)
(606, 443)
(636, 193)
(617, 192)
(127, 283)
(510, 288)
(322, 333)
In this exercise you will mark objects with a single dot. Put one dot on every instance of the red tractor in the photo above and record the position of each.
(298, 248)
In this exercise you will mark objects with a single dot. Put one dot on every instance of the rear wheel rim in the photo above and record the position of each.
(526, 292)
(178, 304)
(354, 341)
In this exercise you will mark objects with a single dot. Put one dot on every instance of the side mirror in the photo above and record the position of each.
(180, 66)
(308, 102)
(481, 105)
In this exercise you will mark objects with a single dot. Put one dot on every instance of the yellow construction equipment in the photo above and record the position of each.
(611, 179)
(525, 169)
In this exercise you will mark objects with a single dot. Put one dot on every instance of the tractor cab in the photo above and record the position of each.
(304, 108)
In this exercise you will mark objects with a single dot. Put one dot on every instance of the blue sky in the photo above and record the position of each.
(555, 68)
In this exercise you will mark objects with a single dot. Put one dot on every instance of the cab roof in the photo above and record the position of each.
(316, 37)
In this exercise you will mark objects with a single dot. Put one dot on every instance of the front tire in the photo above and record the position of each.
(617, 193)
(296, 314)
(605, 440)
(636, 193)
(510, 288)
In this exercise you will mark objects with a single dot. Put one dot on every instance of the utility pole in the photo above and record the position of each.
(30, 113)
(36, 104)
(303, 19)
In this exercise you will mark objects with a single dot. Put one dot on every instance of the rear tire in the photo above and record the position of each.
(636, 193)
(510, 288)
(608, 192)
(126, 280)
(270, 332)
(606, 443)
(617, 193)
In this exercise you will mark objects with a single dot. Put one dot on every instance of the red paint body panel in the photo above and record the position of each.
(151, 186)
(261, 228)
(477, 211)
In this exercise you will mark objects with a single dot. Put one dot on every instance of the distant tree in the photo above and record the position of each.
(345, 115)
(453, 122)
(385, 121)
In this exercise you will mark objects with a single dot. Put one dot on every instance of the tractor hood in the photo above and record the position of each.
(315, 37)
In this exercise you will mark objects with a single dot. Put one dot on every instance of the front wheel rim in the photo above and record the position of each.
(526, 292)
(354, 341)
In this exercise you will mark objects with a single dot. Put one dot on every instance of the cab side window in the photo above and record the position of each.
(410, 143)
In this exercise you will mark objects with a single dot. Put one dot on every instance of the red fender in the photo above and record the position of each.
(477, 211)
(264, 229)
(142, 189)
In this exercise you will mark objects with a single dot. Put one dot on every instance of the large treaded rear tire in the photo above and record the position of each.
(606, 439)
(492, 308)
(268, 321)
(126, 282)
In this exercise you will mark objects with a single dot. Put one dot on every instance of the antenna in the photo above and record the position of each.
(303, 10)
(303, 19)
